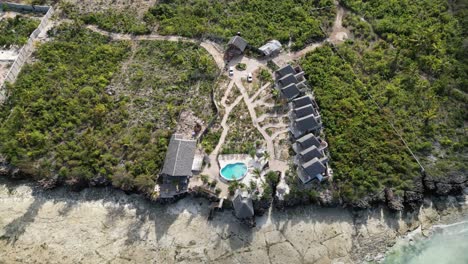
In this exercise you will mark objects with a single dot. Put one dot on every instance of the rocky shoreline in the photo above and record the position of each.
(99, 225)
(424, 186)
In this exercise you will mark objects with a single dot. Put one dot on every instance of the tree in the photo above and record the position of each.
(257, 173)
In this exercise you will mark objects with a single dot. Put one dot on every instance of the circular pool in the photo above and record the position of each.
(234, 171)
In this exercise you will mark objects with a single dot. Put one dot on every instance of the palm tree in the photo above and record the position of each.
(266, 155)
(257, 172)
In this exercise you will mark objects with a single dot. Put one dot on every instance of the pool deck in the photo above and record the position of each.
(224, 160)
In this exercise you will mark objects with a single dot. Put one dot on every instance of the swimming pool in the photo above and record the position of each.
(234, 171)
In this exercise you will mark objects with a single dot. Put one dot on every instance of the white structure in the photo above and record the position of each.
(271, 48)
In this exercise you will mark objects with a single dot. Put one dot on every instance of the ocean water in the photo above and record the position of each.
(448, 244)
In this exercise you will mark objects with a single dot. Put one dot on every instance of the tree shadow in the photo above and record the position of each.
(17, 227)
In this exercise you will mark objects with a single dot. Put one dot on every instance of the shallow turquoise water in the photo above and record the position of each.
(234, 171)
(447, 247)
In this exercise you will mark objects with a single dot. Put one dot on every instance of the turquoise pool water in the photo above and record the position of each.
(234, 171)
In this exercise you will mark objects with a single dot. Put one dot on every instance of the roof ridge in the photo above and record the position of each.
(177, 157)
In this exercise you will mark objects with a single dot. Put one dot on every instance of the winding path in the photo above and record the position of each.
(338, 34)
(212, 48)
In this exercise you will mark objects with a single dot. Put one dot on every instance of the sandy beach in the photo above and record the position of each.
(104, 225)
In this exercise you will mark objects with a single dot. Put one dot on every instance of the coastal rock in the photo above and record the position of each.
(315, 252)
(427, 218)
(337, 247)
(418, 185)
(413, 199)
(274, 237)
(326, 199)
(448, 184)
(394, 202)
(443, 188)
(261, 206)
(36, 226)
(284, 253)
(361, 203)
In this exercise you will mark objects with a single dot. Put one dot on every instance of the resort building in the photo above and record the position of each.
(309, 154)
(306, 122)
(305, 117)
(288, 69)
(304, 125)
(236, 46)
(177, 168)
(308, 141)
(289, 75)
(242, 203)
(315, 168)
(271, 48)
(290, 92)
(304, 111)
(303, 101)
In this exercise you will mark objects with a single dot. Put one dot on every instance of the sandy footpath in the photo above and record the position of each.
(108, 226)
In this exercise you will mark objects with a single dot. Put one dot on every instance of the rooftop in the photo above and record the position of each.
(288, 69)
(306, 123)
(238, 42)
(287, 80)
(307, 141)
(312, 169)
(242, 203)
(270, 47)
(291, 91)
(179, 156)
(304, 111)
(310, 153)
(302, 101)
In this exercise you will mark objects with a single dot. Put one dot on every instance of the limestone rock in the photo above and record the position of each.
(396, 203)
(337, 247)
(315, 252)
(274, 237)
(284, 253)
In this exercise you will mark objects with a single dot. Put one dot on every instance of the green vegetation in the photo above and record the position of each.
(242, 135)
(210, 140)
(265, 75)
(258, 20)
(204, 178)
(62, 123)
(163, 78)
(16, 31)
(117, 21)
(234, 185)
(241, 66)
(413, 75)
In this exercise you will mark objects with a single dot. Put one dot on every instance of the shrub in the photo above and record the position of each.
(204, 178)
(16, 31)
(241, 66)
(213, 183)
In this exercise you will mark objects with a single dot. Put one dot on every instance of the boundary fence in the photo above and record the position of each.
(28, 48)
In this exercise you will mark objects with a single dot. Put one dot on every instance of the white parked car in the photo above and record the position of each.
(249, 77)
(231, 71)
